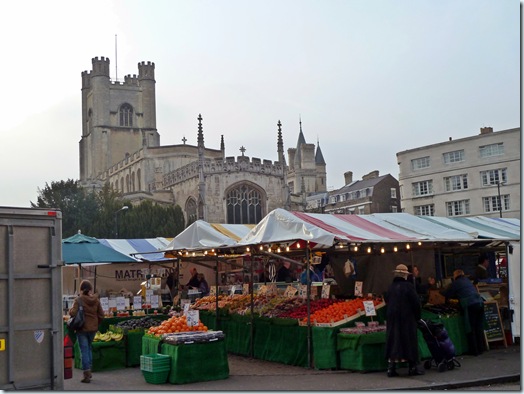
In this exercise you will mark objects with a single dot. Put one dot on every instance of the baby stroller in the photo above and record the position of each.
(440, 346)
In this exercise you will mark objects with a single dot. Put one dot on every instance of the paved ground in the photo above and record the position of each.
(484, 372)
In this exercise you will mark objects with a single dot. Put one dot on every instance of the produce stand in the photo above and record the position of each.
(365, 352)
(197, 362)
(106, 356)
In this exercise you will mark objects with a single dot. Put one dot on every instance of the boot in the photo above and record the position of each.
(90, 374)
(87, 376)
(392, 369)
(415, 370)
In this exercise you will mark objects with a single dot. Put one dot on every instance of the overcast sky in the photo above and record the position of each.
(369, 78)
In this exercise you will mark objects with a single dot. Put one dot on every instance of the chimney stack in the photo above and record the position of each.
(348, 177)
(486, 130)
(371, 175)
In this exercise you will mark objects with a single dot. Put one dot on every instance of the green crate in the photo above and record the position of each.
(155, 362)
(156, 377)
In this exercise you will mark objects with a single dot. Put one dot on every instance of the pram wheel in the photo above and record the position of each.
(451, 365)
(442, 366)
(427, 364)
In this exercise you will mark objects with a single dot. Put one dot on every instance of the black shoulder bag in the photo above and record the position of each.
(77, 322)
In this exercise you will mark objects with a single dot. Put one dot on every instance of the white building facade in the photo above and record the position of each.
(471, 176)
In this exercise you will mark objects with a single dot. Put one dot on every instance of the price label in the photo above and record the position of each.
(120, 303)
(184, 304)
(272, 289)
(192, 317)
(137, 302)
(213, 291)
(262, 290)
(149, 293)
(154, 301)
(104, 301)
(369, 308)
(245, 289)
(290, 291)
(302, 291)
(326, 289)
(358, 289)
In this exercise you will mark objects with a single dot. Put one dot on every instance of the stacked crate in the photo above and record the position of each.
(155, 367)
(69, 358)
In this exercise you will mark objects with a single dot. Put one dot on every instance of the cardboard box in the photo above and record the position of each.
(435, 298)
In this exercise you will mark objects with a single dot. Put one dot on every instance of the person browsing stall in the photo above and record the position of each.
(284, 273)
(472, 308)
(93, 316)
(402, 314)
(193, 283)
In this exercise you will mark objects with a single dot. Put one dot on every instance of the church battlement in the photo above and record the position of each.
(146, 70)
(130, 159)
(220, 166)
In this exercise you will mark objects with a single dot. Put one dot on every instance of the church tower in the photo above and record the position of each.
(118, 118)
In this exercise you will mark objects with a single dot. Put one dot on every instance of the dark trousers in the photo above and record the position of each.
(476, 340)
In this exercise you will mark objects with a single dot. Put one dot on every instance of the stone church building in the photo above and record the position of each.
(120, 145)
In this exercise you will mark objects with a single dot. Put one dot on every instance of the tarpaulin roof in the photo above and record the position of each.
(203, 235)
(323, 229)
(140, 249)
(82, 249)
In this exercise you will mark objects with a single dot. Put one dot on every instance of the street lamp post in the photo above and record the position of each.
(125, 207)
(500, 200)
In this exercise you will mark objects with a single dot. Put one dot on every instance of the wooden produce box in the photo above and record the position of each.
(435, 298)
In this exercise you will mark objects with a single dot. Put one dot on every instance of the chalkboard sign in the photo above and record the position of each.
(493, 328)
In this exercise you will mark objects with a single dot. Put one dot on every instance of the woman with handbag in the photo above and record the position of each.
(88, 304)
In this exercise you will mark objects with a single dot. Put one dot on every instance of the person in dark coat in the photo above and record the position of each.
(284, 273)
(481, 270)
(472, 306)
(402, 314)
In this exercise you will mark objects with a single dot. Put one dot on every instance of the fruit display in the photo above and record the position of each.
(300, 309)
(108, 336)
(174, 324)
(340, 311)
(135, 324)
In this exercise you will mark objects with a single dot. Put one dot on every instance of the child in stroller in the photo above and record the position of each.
(439, 344)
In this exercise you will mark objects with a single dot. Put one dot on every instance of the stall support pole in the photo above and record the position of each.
(251, 329)
(216, 295)
(308, 304)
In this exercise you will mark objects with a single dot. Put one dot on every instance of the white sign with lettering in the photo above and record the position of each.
(369, 307)
(154, 301)
(104, 301)
(358, 289)
(192, 317)
(137, 302)
(120, 303)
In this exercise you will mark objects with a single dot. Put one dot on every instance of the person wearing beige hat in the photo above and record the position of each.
(402, 314)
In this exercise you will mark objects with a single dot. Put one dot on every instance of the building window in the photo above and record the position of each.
(491, 150)
(418, 164)
(244, 205)
(191, 211)
(492, 177)
(361, 210)
(492, 203)
(423, 188)
(456, 182)
(393, 192)
(126, 115)
(457, 208)
(394, 208)
(425, 210)
(453, 157)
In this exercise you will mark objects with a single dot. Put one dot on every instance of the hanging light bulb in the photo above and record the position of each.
(369, 249)
(287, 248)
(247, 249)
(395, 249)
(278, 250)
(355, 248)
(261, 247)
(298, 245)
(407, 246)
(194, 254)
(382, 250)
(419, 243)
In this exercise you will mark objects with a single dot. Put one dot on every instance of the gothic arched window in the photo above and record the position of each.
(126, 115)
(244, 205)
(191, 211)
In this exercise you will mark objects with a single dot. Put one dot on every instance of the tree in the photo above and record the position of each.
(79, 207)
(94, 212)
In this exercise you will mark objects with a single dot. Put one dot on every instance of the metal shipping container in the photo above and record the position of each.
(31, 324)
